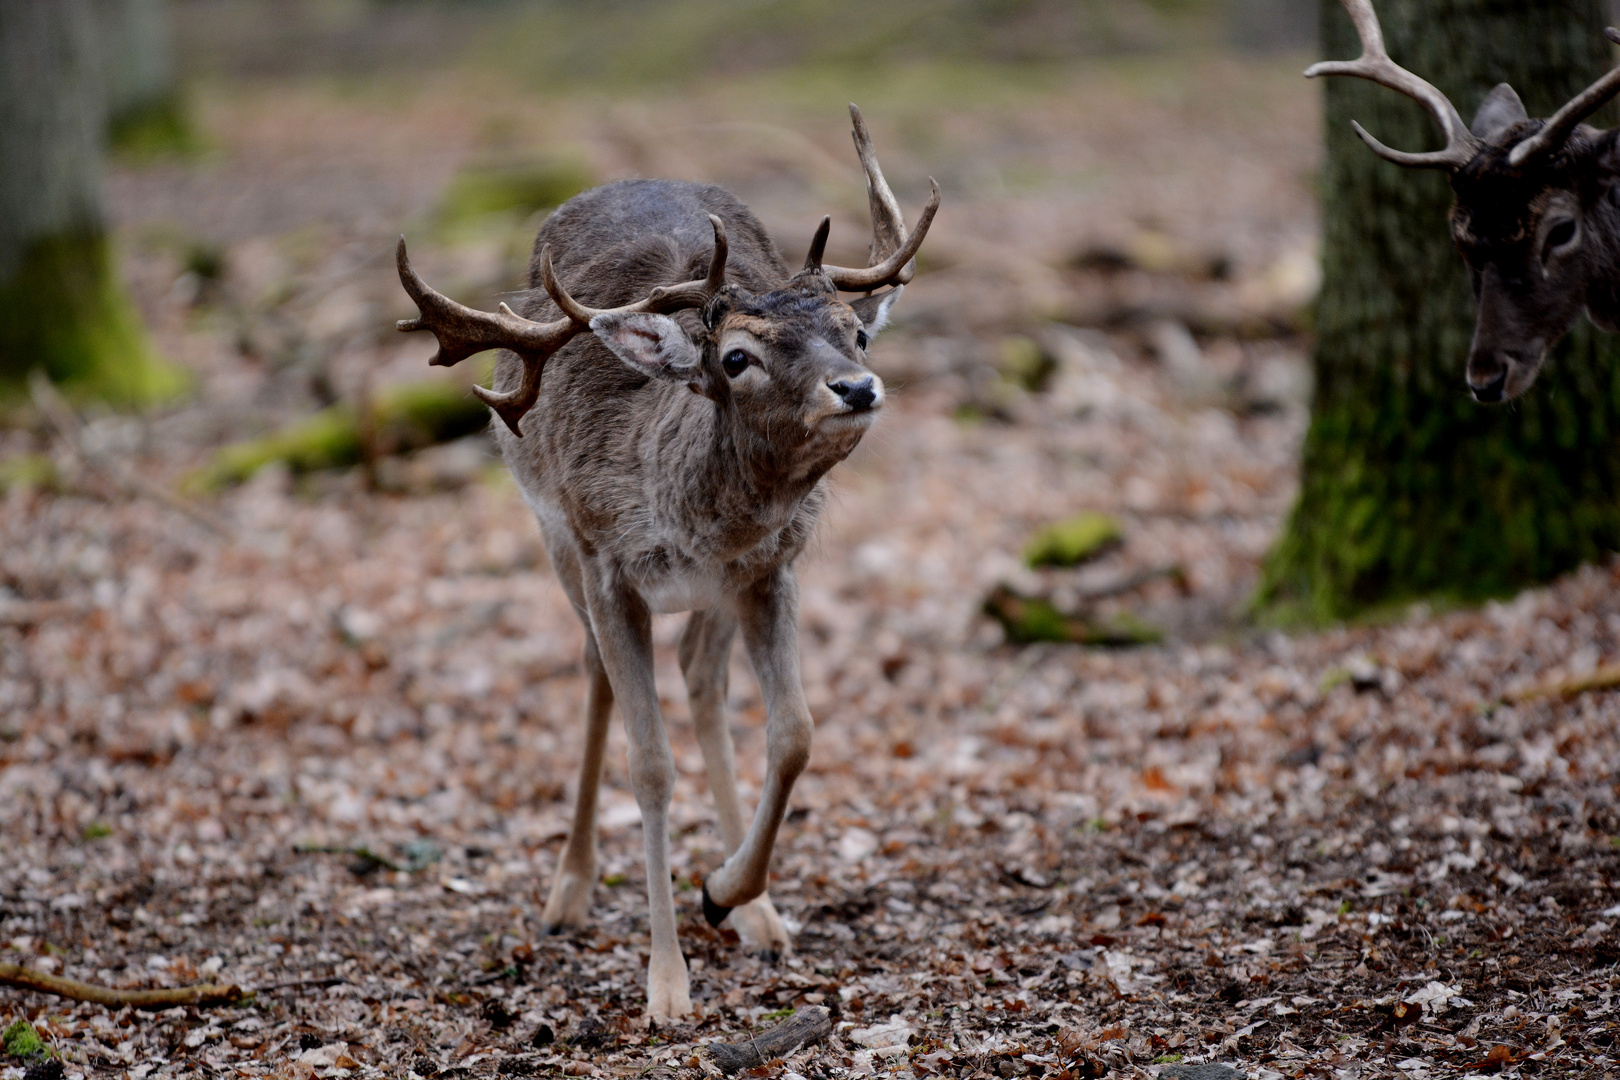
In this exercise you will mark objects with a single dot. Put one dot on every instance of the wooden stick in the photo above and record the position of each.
(1606, 677)
(203, 995)
(808, 1025)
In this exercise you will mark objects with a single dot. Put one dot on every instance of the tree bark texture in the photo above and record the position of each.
(1408, 487)
(62, 308)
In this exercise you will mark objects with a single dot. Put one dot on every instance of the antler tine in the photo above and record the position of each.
(888, 226)
(893, 270)
(463, 331)
(818, 244)
(1558, 128)
(662, 300)
(1375, 64)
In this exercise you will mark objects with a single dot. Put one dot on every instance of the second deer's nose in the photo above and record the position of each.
(858, 394)
(1490, 391)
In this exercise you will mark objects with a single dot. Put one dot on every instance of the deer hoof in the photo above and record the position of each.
(771, 956)
(713, 911)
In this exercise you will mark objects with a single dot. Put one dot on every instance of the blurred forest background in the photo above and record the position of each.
(289, 697)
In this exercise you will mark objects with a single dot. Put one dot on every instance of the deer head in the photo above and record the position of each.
(788, 361)
(1535, 217)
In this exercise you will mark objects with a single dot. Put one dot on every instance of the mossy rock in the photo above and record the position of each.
(64, 310)
(514, 189)
(22, 1041)
(407, 417)
(1030, 619)
(1074, 540)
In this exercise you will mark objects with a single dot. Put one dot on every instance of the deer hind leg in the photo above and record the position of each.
(769, 615)
(705, 658)
(623, 630)
(569, 904)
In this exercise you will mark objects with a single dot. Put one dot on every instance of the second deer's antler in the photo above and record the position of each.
(463, 331)
(893, 251)
(1375, 64)
(1561, 125)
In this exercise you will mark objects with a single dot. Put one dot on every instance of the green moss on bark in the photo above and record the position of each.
(65, 311)
(1408, 488)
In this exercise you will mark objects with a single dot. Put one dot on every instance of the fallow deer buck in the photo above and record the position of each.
(1536, 216)
(674, 461)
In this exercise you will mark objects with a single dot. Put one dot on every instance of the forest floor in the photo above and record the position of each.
(1375, 851)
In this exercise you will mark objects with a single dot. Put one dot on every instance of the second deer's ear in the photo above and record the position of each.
(654, 345)
(1500, 110)
(873, 311)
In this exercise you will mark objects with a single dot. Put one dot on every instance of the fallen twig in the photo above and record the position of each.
(359, 851)
(808, 1025)
(49, 401)
(1606, 677)
(301, 984)
(203, 995)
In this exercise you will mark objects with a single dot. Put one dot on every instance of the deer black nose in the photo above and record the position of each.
(1491, 391)
(858, 394)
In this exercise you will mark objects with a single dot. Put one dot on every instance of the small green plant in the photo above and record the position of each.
(1167, 1059)
(613, 881)
(97, 830)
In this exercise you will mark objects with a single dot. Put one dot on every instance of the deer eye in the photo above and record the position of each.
(734, 363)
(860, 339)
(1561, 234)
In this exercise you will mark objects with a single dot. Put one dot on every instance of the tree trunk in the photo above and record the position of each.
(61, 306)
(1408, 488)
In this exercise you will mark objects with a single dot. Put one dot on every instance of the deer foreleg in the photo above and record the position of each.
(705, 656)
(769, 615)
(570, 901)
(623, 630)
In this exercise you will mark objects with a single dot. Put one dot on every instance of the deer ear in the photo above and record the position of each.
(654, 345)
(873, 311)
(1500, 110)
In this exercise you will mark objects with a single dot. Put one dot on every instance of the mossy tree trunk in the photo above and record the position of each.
(1408, 488)
(62, 308)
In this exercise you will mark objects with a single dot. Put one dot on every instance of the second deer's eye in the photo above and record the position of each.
(1561, 234)
(860, 339)
(734, 363)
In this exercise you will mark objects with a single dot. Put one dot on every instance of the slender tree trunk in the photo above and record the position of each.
(1408, 488)
(61, 306)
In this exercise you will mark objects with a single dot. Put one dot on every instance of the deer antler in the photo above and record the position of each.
(1561, 125)
(892, 249)
(463, 331)
(1375, 64)
(888, 227)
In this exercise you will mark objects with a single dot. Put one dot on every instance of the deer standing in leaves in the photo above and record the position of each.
(1537, 211)
(674, 454)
